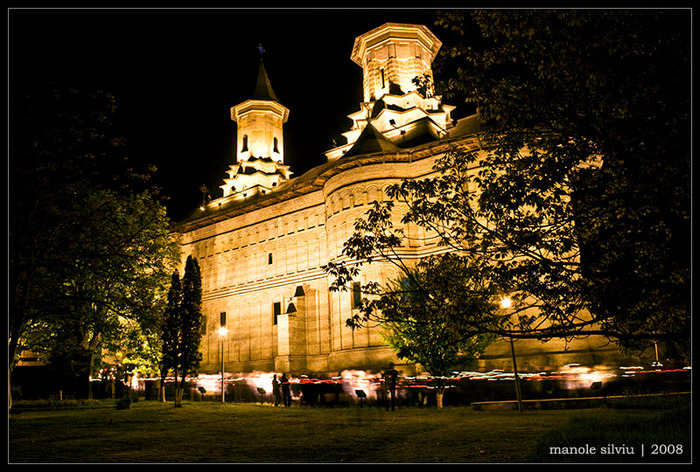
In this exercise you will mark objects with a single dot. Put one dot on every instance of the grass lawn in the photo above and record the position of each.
(252, 433)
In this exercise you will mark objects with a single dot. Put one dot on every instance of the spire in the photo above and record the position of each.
(259, 147)
(263, 89)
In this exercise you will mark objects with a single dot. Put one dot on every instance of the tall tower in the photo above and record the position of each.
(260, 142)
(399, 99)
(391, 56)
(260, 120)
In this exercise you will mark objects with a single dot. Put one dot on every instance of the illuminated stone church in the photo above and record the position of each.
(262, 245)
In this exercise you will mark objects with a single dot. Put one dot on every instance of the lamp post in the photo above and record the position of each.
(222, 334)
(505, 304)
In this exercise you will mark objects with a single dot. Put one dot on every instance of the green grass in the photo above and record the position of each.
(252, 433)
(658, 434)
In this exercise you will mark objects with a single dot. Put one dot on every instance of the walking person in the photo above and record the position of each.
(390, 377)
(286, 393)
(276, 389)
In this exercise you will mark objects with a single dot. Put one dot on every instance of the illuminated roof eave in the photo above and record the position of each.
(252, 106)
(314, 180)
(379, 35)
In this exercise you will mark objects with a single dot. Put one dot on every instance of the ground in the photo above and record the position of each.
(210, 432)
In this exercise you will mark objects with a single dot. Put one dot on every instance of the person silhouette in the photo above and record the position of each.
(390, 376)
(276, 389)
(286, 393)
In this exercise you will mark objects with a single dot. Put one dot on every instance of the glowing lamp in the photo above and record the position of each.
(506, 302)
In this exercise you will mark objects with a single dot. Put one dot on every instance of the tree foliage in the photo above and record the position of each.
(89, 250)
(418, 310)
(181, 332)
(573, 85)
(577, 204)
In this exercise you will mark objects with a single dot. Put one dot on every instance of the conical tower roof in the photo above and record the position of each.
(263, 89)
(371, 141)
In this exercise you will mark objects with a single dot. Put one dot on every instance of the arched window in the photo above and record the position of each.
(275, 146)
(245, 143)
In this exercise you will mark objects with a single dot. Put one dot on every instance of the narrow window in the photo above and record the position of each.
(275, 146)
(245, 143)
(276, 311)
(382, 71)
(269, 258)
(356, 295)
(222, 318)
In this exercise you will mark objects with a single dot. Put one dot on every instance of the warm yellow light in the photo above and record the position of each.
(506, 302)
(223, 332)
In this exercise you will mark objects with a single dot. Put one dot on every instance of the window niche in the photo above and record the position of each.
(276, 311)
(356, 299)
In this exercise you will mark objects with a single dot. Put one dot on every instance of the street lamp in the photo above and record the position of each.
(505, 304)
(222, 334)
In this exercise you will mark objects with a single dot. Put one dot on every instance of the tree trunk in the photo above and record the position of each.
(438, 397)
(9, 389)
(178, 396)
(17, 322)
(90, 392)
(162, 389)
(181, 390)
(163, 375)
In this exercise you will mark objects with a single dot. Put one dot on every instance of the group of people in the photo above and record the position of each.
(281, 390)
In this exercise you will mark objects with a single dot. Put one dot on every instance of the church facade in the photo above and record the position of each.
(263, 244)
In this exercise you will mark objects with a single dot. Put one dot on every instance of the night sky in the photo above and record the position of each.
(177, 72)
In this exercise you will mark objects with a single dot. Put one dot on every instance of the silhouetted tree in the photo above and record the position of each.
(577, 203)
(182, 327)
(89, 243)
(606, 172)
(171, 332)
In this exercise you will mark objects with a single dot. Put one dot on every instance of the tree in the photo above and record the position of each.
(182, 327)
(607, 130)
(577, 204)
(415, 322)
(112, 279)
(89, 247)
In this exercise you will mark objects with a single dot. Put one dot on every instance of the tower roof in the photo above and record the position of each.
(397, 32)
(371, 141)
(263, 89)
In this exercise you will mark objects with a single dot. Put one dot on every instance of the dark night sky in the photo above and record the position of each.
(177, 72)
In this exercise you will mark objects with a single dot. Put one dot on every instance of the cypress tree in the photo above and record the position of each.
(171, 331)
(189, 325)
